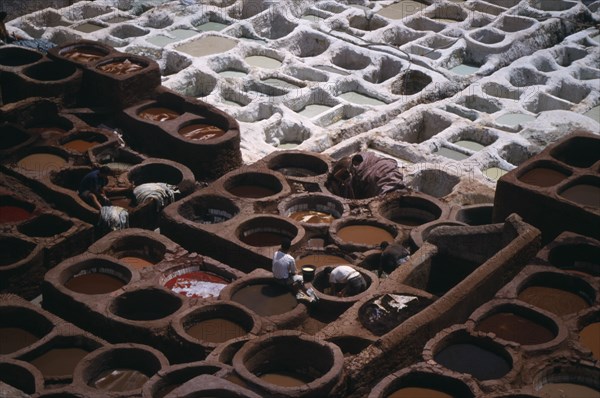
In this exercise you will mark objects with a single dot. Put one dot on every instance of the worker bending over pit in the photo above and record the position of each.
(364, 175)
(93, 188)
(345, 281)
(392, 256)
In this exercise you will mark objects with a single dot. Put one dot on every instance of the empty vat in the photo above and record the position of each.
(208, 209)
(145, 305)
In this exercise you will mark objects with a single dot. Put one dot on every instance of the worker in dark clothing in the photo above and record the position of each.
(4, 36)
(392, 256)
(365, 175)
(92, 187)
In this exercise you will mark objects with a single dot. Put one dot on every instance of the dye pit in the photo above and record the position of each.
(489, 108)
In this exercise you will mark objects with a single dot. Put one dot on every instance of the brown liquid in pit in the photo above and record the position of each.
(567, 390)
(512, 327)
(13, 214)
(136, 262)
(418, 392)
(42, 163)
(262, 238)
(543, 177)
(13, 339)
(557, 301)
(286, 379)
(80, 145)
(477, 361)
(364, 234)
(120, 380)
(59, 361)
(121, 68)
(251, 191)
(584, 194)
(320, 260)
(216, 330)
(94, 283)
(159, 114)
(201, 132)
(589, 337)
(86, 56)
(266, 299)
(312, 217)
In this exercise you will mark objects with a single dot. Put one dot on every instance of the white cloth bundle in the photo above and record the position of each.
(162, 193)
(114, 218)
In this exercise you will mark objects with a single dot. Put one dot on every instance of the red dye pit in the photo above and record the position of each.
(197, 284)
(13, 214)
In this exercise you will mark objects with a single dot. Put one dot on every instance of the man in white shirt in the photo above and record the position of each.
(345, 280)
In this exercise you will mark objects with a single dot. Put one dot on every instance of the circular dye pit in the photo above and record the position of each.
(542, 177)
(15, 338)
(197, 284)
(581, 258)
(216, 330)
(253, 185)
(312, 217)
(286, 379)
(123, 67)
(252, 191)
(364, 234)
(411, 211)
(418, 392)
(94, 283)
(558, 301)
(583, 194)
(267, 231)
(514, 327)
(473, 359)
(80, 145)
(136, 262)
(293, 164)
(589, 337)
(208, 209)
(42, 163)
(44, 226)
(50, 71)
(158, 114)
(18, 56)
(263, 238)
(59, 361)
(201, 132)
(266, 299)
(120, 380)
(145, 305)
(562, 390)
(312, 209)
(320, 260)
(13, 250)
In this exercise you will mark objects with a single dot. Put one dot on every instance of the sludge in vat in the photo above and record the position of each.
(253, 185)
(21, 328)
(266, 299)
(96, 276)
(83, 143)
(409, 383)
(557, 293)
(543, 174)
(588, 337)
(158, 113)
(83, 53)
(320, 259)
(578, 151)
(120, 66)
(584, 191)
(137, 250)
(194, 282)
(312, 209)
(364, 232)
(14, 210)
(382, 314)
(217, 323)
(273, 363)
(40, 163)
(120, 367)
(570, 381)
(297, 164)
(200, 131)
(145, 305)
(208, 209)
(577, 257)
(265, 231)
(59, 357)
(518, 324)
(45, 226)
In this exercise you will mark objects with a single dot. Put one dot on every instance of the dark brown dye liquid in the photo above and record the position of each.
(94, 283)
(216, 330)
(13, 214)
(286, 379)
(411, 221)
(41, 162)
(13, 339)
(80, 145)
(201, 132)
(320, 260)
(312, 217)
(418, 392)
(583, 194)
(512, 327)
(120, 380)
(557, 301)
(121, 68)
(84, 56)
(297, 172)
(262, 238)
(59, 361)
(589, 337)
(474, 360)
(364, 234)
(266, 299)
(158, 114)
(251, 191)
(542, 177)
